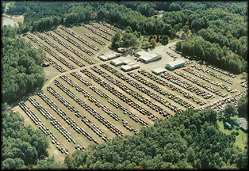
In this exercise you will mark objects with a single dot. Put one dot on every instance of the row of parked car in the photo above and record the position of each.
(131, 92)
(78, 37)
(182, 83)
(172, 87)
(105, 30)
(89, 109)
(50, 51)
(85, 120)
(55, 123)
(216, 83)
(163, 92)
(63, 115)
(118, 94)
(97, 32)
(68, 47)
(143, 89)
(214, 74)
(42, 127)
(90, 98)
(47, 59)
(108, 98)
(202, 84)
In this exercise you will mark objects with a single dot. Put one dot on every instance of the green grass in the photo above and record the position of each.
(241, 139)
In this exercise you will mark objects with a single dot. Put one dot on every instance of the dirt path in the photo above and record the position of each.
(77, 69)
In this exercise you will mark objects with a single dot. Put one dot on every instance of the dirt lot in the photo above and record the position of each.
(133, 97)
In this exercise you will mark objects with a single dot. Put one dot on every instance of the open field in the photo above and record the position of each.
(86, 101)
(241, 139)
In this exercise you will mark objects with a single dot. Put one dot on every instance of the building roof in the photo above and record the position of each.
(243, 123)
(130, 66)
(119, 61)
(227, 124)
(177, 62)
(109, 55)
(146, 56)
(126, 61)
(159, 70)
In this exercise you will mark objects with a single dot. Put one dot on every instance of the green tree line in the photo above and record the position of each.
(199, 49)
(23, 146)
(22, 71)
(187, 140)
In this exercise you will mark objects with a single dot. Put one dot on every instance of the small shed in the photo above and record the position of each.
(243, 124)
(122, 50)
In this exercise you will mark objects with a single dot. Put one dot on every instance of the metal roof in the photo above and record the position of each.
(177, 62)
(146, 56)
(159, 70)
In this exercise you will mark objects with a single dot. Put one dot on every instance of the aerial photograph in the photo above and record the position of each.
(124, 85)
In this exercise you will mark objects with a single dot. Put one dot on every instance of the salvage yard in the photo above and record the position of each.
(86, 101)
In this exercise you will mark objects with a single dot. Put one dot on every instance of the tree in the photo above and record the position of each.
(153, 43)
(146, 9)
(116, 40)
(188, 140)
(22, 72)
(20, 146)
(130, 40)
(175, 6)
(242, 107)
(190, 155)
(15, 163)
(164, 40)
(77, 159)
(48, 163)
(229, 111)
(243, 161)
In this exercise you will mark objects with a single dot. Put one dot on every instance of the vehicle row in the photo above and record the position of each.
(42, 127)
(108, 98)
(133, 93)
(172, 87)
(118, 94)
(89, 109)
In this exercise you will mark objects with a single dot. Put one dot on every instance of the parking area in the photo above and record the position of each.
(89, 101)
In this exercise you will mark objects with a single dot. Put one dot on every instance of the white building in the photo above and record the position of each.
(176, 64)
(109, 55)
(120, 61)
(243, 124)
(159, 70)
(147, 57)
(130, 67)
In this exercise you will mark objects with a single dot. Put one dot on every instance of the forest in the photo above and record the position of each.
(22, 146)
(219, 38)
(22, 71)
(188, 140)
(218, 30)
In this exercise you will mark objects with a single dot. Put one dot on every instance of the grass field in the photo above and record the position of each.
(241, 139)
